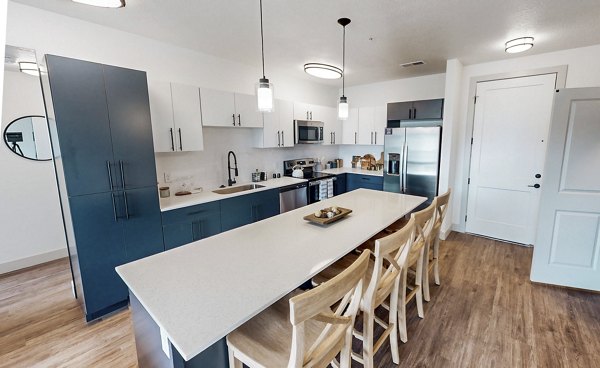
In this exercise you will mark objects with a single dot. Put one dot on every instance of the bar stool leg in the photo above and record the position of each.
(436, 260)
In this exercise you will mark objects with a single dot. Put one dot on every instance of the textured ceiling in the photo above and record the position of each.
(383, 33)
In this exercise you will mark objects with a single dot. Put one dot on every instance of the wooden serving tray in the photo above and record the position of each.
(324, 220)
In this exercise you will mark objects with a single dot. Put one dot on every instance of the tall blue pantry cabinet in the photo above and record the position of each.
(99, 117)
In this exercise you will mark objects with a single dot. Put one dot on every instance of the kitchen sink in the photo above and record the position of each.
(240, 188)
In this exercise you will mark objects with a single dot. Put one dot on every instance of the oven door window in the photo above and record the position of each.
(309, 134)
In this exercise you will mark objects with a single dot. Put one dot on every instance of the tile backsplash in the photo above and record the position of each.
(208, 168)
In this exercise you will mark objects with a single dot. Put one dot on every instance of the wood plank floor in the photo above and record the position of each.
(486, 313)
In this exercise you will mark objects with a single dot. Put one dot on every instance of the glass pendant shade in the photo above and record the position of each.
(264, 95)
(103, 3)
(343, 108)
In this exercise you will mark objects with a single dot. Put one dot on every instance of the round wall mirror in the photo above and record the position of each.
(27, 137)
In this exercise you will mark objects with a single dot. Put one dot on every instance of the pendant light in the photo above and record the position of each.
(264, 89)
(343, 109)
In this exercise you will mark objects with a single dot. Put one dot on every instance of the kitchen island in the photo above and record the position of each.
(186, 300)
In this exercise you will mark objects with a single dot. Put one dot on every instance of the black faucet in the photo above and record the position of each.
(230, 182)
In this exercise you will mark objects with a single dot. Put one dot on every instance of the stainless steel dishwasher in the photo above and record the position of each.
(292, 197)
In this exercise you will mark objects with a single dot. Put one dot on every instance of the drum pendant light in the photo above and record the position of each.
(343, 109)
(264, 89)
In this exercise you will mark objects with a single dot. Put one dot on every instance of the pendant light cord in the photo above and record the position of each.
(343, 62)
(262, 40)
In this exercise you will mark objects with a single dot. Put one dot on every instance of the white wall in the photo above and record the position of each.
(30, 218)
(583, 71)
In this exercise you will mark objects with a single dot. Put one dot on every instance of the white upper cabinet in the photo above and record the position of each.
(366, 118)
(246, 110)
(218, 108)
(332, 131)
(278, 130)
(187, 117)
(228, 109)
(350, 127)
(161, 112)
(176, 117)
(379, 124)
(303, 111)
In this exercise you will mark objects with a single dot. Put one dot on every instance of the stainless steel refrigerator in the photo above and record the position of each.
(412, 160)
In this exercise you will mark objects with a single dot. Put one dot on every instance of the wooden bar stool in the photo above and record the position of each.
(316, 334)
(441, 209)
(385, 270)
(415, 263)
(424, 221)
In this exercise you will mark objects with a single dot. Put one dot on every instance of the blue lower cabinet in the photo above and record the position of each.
(339, 185)
(142, 226)
(189, 224)
(98, 229)
(246, 209)
(356, 181)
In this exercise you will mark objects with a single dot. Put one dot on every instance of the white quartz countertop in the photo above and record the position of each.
(200, 292)
(350, 170)
(175, 202)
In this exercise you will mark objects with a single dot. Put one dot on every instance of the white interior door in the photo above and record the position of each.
(510, 131)
(567, 248)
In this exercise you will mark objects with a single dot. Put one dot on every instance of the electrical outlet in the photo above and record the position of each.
(167, 177)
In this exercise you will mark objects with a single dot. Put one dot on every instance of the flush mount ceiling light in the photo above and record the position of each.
(29, 67)
(103, 3)
(264, 89)
(324, 71)
(518, 45)
(343, 109)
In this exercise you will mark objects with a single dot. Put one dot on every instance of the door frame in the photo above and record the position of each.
(561, 78)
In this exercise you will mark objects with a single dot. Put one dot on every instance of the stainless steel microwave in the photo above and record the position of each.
(308, 131)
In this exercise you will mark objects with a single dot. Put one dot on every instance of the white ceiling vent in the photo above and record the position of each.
(412, 63)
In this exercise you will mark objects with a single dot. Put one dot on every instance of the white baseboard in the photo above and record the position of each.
(33, 260)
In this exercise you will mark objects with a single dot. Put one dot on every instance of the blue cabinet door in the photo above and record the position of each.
(265, 204)
(142, 223)
(100, 248)
(339, 185)
(82, 124)
(356, 181)
(130, 126)
(176, 235)
(189, 224)
(237, 211)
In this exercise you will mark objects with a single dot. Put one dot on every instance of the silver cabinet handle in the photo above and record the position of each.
(110, 180)
(180, 141)
(233, 117)
(172, 140)
(282, 139)
(334, 138)
(375, 137)
(126, 205)
(307, 115)
(239, 120)
(278, 139)
(112, 196)
(122, 174)
(371, 137)
(311, 115)
(330, 137)
(354, 137)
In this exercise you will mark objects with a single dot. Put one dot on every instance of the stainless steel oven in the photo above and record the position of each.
(308, 131)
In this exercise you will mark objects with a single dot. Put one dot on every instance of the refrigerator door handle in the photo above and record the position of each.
(405, 166)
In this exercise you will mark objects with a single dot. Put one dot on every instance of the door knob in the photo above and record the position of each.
(536, 186)
(537, 176)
